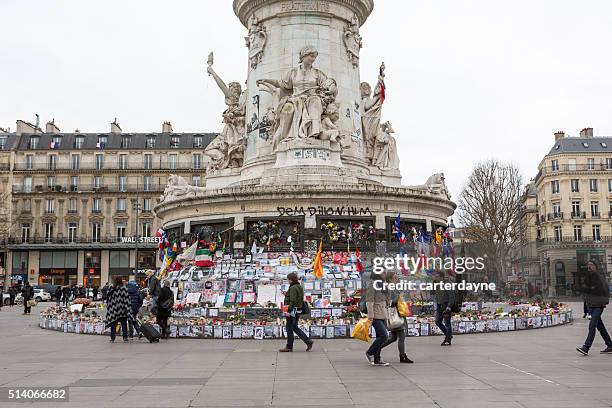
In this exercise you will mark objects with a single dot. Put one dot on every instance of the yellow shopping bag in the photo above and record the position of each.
(403, 308)
(362, 330)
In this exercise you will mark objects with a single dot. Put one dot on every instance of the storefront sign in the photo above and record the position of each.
(141, 240)
(320, 210)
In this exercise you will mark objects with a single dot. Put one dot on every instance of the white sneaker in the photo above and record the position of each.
(380, 363)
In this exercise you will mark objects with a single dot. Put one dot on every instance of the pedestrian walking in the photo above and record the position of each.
(585, 310)
(12, 295)
(398, 334)
(377, 301)
(118, 309)
(58, 295)
(94, 292)
(135, 303)
(75, 292)
(153, 287)
(294, 300)
(66, 295)
(163, 308)
(596, 294)
(1, 296)
(444, 303)
(104, 291)
(28, 295)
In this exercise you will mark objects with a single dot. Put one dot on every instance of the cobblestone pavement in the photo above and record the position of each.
(532, 368)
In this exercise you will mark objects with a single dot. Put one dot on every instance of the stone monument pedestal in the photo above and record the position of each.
(222, 178)
(308, 161)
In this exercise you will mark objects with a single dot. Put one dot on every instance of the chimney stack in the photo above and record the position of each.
(167, 127)
(25, 127)
(559, 135)
(115, 128)
(51, 127)
(586, 133)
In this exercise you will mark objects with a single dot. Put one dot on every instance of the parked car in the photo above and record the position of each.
(6, 299)
(41, 295)
(47, 287)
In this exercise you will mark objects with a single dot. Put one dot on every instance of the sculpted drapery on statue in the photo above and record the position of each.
(371, 106)
(385, 149)
(227, 150)
(304, 95)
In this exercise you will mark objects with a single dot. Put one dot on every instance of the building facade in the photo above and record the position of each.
(574, 199)
(80, 205)
(526, 272)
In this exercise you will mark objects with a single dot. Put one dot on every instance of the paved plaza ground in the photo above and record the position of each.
(532, 368)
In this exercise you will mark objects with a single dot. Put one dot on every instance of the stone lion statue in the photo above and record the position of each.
(177, 187)
(435, 184)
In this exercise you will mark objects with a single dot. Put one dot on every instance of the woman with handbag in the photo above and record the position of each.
(377, 302)
(28, 295)
(165, 301)
(397, 325)
(294, 300)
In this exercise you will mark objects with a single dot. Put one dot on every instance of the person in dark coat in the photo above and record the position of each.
(66, 295)
(104, 291)
(58, 295)
(294, 300)
(95, 292)
(1, 296)
(28, 294)
(153, 287)
(596, 292)
(135, 302)
(165, 301)
(12, 295)
(75, 292)
(118, 309)
(82, 291)
(445, 299)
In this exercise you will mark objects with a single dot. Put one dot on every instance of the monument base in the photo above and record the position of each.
(222, 178)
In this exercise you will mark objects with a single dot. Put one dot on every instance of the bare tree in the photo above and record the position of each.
(489, 206)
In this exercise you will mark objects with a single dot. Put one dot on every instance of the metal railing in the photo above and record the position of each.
(68, 167)
(572, 240)
(555, 216)
(15, 240)
(579, 214)
(106, 188)
(574, 167)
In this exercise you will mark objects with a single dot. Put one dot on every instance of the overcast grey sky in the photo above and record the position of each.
(467, 79)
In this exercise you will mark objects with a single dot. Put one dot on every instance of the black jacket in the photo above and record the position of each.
(164, 295)
(135, 298)
(28, 293)
(595, 289)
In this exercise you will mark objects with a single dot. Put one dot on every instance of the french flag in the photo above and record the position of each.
(399, 235)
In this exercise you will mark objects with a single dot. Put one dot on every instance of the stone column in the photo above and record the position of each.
(104, 275)
(80, 266)
(33, 264)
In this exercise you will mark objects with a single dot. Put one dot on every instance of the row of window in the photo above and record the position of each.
(96, 231)
(145, 205)
(75, 161)
(126, 142)
(146, 185)
(575, 186)
(577, 208)
(572, 166)
(595, 230)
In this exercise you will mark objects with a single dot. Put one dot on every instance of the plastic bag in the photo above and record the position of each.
(404, 309)
(362, 330)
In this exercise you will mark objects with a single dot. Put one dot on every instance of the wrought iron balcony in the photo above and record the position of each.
(91, 188)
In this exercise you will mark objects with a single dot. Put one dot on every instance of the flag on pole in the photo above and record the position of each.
(317, 268)
(381, 82)
(397, 232)
(358, 265)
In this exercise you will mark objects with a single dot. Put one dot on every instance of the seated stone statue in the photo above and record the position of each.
(385, 149)
(304, 93)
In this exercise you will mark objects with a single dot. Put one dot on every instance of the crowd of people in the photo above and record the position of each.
(124, 301)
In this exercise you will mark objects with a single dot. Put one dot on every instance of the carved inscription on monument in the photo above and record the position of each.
(311, 154)
(305, 5)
